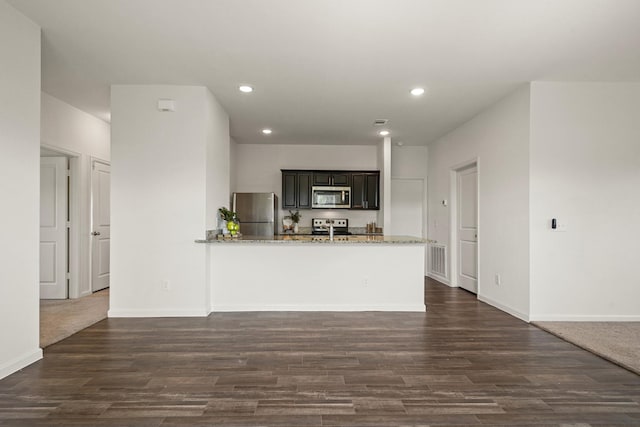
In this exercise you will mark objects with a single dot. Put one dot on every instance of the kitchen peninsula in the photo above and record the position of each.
(310, 273)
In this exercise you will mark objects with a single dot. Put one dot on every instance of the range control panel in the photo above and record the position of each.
(324, 223)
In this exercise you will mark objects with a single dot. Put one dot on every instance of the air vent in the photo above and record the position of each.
(380, 122)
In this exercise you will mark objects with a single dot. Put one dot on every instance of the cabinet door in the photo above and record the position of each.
(321, 178)
(304, 190)
(373, 191)
(340, 179)
(358, 184)
(289, 190)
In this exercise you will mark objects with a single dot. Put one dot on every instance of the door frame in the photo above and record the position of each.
(73, 248)
(453, 220)
(93, 161)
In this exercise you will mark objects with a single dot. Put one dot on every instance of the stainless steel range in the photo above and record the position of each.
(322, 226)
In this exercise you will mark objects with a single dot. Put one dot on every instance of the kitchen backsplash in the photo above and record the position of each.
(356, 218)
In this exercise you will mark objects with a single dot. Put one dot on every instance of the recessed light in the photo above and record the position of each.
(245, 88)
(267, 131)
(384, 133)
(417, 91)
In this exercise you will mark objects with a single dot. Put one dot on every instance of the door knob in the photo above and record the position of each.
(95, 233)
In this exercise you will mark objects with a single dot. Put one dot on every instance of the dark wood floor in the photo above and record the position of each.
(460, 363)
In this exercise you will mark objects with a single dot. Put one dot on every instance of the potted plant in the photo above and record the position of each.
(295, 218)
(231, 221)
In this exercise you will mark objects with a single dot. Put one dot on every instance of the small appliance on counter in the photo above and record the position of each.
(320, 226)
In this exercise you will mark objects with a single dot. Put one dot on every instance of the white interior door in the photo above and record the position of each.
(468, 229)
(53, 227)
(101, 224)
(407, 208)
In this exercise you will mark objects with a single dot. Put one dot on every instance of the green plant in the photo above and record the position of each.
(295, 217)
(228, 215)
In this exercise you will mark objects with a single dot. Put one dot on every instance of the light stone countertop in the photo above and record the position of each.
(297, 238)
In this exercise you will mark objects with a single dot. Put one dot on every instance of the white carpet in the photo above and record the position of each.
(60, 319)
(618, 342)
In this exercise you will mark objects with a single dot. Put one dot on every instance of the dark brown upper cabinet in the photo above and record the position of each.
(332, 179)
(296, 189)
(297, 184)
(365, 190)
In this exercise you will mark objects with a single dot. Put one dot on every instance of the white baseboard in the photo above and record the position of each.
(584, 318)
(506, 309)
(20, 362)
(157, 313)
(305, 307)
(440, 279)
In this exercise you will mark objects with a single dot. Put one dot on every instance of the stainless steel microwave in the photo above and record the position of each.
(331, 197)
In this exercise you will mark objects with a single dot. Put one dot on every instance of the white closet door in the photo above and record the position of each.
(101, 234)
(468, 229)
(53, 227)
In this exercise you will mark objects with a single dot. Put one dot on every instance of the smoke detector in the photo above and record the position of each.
(380, 122)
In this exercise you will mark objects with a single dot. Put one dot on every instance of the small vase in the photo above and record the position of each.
(295, 228)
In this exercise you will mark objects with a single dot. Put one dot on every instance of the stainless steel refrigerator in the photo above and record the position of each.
(258, 213)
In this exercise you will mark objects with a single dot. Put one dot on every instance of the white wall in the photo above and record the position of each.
(257, 169)
(218, 160)
(160, 196)
(70, 129)
(84, 138)
(409, 161)
(384, 164)
(19, 190)
(233, 156)
(585, 171)
(499, 139)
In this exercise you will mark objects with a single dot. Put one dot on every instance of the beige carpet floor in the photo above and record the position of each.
(618, 342)
(60, 319)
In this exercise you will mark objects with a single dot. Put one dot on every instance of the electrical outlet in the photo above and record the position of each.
(365, 281)
(497, 279)
(165, 285)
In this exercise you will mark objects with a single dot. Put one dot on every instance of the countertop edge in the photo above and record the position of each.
(384, 240)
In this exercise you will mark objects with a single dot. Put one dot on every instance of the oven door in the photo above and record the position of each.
(331, 197)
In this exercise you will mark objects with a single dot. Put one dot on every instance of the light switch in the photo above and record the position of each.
(558, 225)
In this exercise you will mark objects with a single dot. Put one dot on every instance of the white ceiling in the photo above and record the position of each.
(325, 69)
